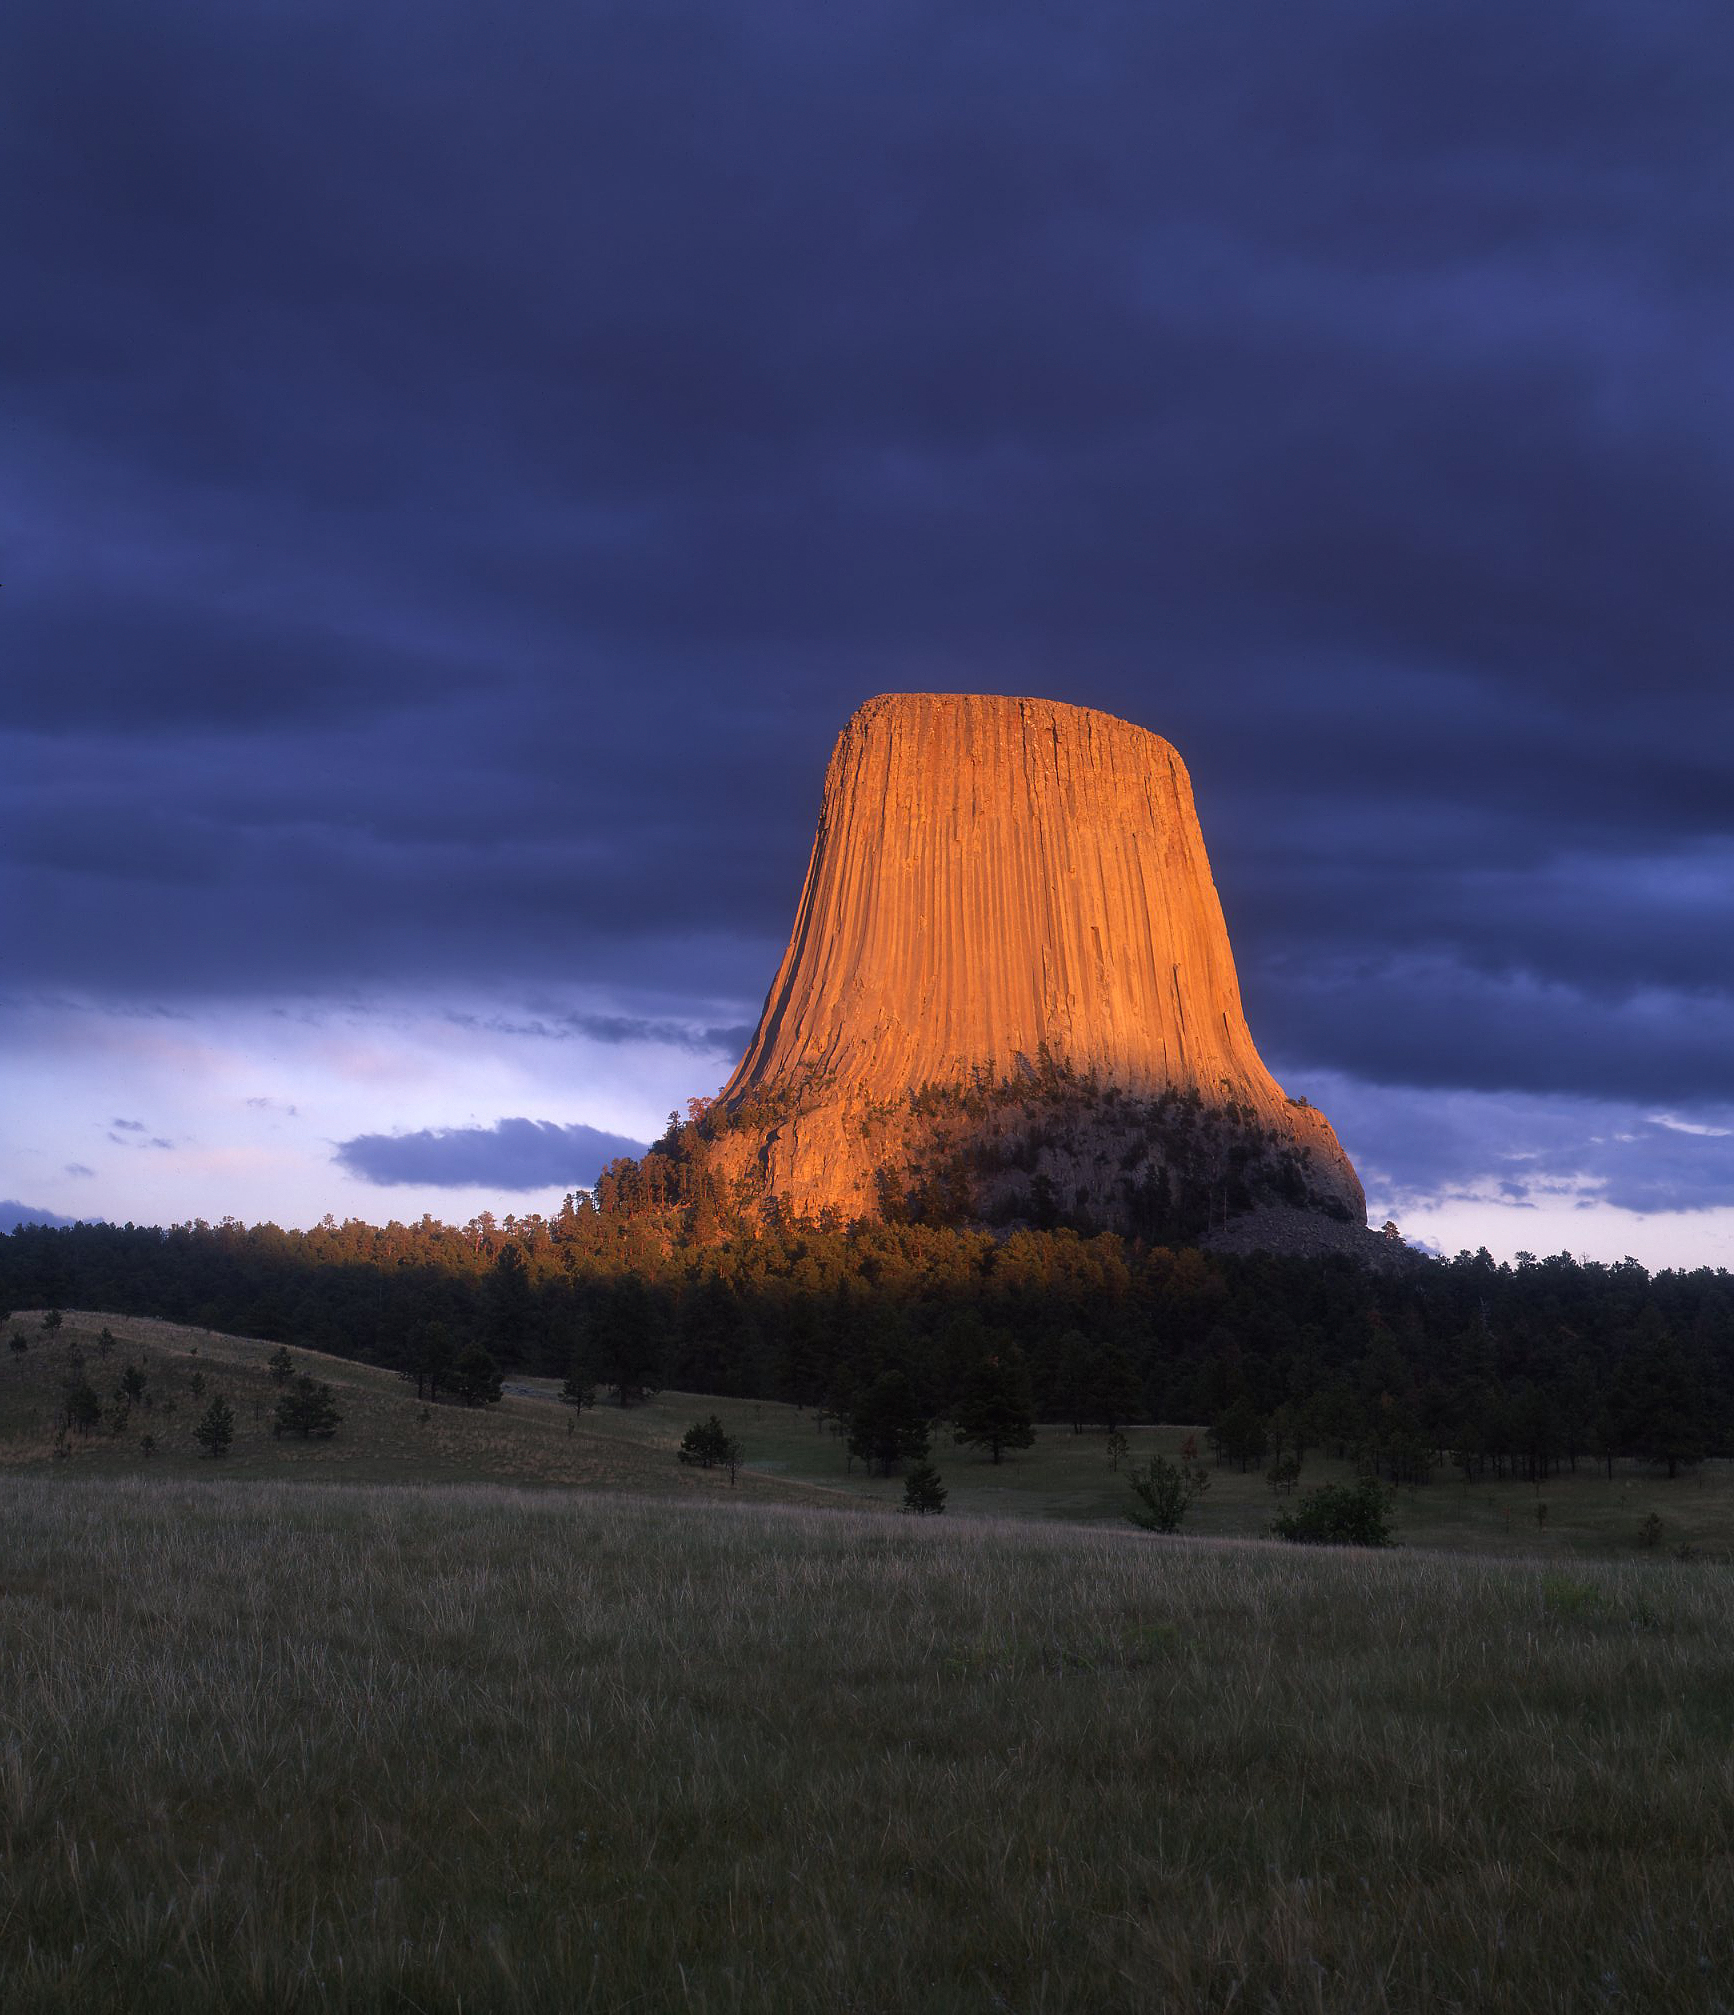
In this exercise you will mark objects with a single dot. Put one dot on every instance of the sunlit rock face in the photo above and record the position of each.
(1009, 992)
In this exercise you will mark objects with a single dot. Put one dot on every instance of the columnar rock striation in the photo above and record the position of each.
(1009, 992)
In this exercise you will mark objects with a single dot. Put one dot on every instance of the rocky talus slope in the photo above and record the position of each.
(1009, 993)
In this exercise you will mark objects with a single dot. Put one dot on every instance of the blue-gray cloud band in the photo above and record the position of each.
(512, 1154)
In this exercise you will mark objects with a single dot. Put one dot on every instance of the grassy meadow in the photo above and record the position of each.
(278, 1747)
(504, 1710)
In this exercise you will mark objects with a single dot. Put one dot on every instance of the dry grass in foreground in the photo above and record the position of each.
(272, 1747)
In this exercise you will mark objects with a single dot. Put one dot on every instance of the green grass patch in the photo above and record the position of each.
(322, 1746)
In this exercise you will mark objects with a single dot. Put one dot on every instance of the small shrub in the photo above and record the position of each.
(1340, 1514)
(1573, 1601)
(1650, 1532)
(1165, 1492)
(20, 1342)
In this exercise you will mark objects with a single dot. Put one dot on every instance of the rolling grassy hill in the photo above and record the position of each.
(531, 1439)
(386, 1434)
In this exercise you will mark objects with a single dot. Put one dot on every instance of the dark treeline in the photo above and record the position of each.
(1502, 1369)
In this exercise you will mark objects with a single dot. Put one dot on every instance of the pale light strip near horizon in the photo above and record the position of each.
(246, 1111)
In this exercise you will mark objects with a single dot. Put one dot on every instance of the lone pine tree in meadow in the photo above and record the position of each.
(281, 1365)
(707, 1444)
(923, 1490)
(215, 1432)
(307, 1409)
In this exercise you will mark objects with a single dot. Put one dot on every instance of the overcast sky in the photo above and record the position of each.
(463, 465)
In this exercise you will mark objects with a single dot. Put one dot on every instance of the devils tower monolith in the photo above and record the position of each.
(1009, 995)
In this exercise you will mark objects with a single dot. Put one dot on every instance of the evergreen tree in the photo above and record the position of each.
(215, 1432)
(1072, 1378)
(476, 1377)
(281, 1365)
(923, 1490)
(308, 1408)
(1239, 1435)
(511, 1307)
(716, 1342)
(579, 1389)
(707, 1443)
(1116, 1393)
(132, 1382)
(433, 1356)
(886, 1428)
(996, 1411)
(1662, 1396)
(630, 1342)
(81, 1409)
(20, 1342)
(52, 1321)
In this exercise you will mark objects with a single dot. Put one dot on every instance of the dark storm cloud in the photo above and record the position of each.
(512, 1154)
(615, 1029)
(464, 469)
(14, 1215)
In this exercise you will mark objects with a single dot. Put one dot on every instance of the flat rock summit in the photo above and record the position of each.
(1009, 995)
